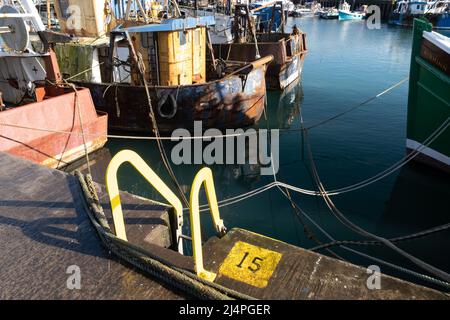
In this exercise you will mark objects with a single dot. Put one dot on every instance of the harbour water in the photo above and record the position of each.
(346, 65)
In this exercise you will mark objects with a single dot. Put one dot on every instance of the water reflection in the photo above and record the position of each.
(284, 107)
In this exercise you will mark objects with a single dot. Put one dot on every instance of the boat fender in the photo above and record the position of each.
(167, 106)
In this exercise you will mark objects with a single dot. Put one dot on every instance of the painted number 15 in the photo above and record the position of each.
(255, 264)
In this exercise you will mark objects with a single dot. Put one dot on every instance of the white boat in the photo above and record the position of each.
(287, 4)
(346, 14)
(437, 12)
(306, 10)
(329, 14)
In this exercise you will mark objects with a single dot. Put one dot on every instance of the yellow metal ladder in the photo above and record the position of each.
(203, 177)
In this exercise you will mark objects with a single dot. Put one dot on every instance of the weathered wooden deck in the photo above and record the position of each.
(44, 230)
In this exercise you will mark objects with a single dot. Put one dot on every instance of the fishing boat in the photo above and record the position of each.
(329, 14)
(288, 49)
(159, 59)
(308, 9)
(346, 14)
(301, 11)
(41, 119)
(220, 31)
(429, 97)
(263, 9)
(436, 12)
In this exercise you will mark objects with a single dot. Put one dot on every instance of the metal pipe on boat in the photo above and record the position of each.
(262, 61)
(253, 65)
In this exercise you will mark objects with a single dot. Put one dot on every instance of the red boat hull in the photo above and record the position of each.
(57, 138)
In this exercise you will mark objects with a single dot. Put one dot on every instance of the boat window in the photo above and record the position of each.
(418, 6)
(182, 37)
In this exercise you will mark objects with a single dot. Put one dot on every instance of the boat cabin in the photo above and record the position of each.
(173, 52)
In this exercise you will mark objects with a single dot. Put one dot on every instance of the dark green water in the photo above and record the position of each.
(346, 64)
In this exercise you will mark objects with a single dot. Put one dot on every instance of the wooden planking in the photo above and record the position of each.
(44, 230)
(302, 274)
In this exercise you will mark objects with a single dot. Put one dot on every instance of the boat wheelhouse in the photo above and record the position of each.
(288, 49)
(164, 56)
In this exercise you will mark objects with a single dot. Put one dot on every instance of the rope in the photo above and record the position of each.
(362, 184)
(357, 229)
(360, 104)
(413, 236)
(144, 260)
(77, 102)
(229, 201)
(419, 275)
(83, 72)
(209, 137)
(162, 151)
(286, 192)
(174, 139)
(378, 260)
(402, 269)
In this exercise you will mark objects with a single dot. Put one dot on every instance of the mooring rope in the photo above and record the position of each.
(319, 184)
(378, 260)
(230, 135)
(359, 105)
(409, 237)
(357, 229)
(146, 261)
(80, 118)
(398, 165)
(238, 198)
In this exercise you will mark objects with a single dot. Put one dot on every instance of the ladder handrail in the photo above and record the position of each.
(203, 177)
(141, 166)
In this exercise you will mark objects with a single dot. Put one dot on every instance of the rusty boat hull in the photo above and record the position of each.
(288, 50)
(52, 119)
(234, 101)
